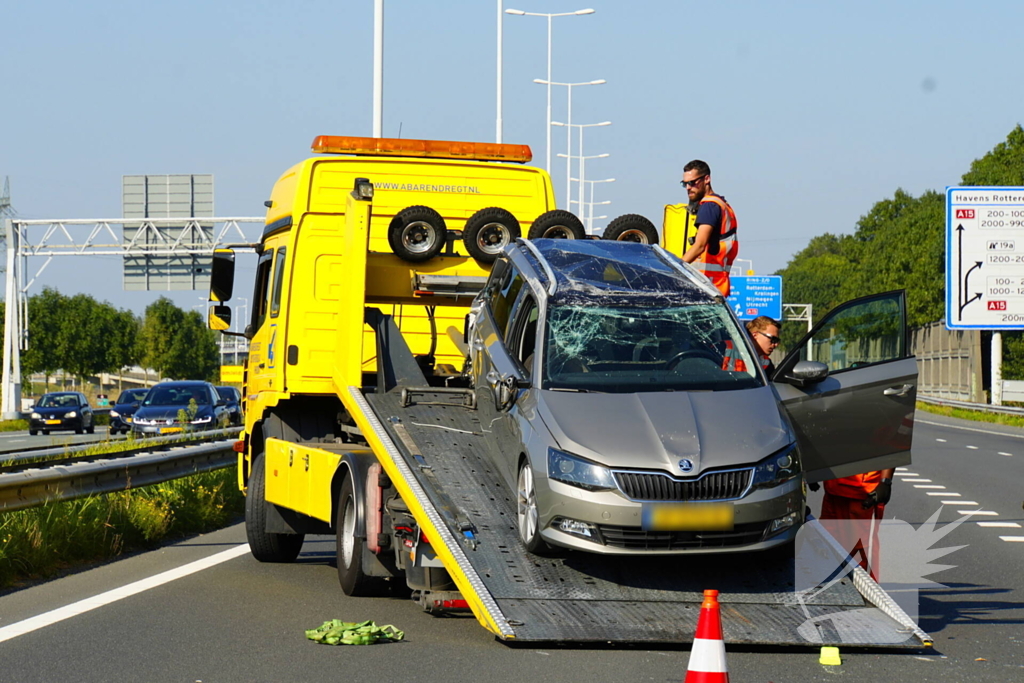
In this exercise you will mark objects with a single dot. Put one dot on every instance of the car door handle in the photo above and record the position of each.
(898, 391)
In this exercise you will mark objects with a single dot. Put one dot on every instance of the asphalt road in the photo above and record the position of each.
(13, 442)
(239, 620)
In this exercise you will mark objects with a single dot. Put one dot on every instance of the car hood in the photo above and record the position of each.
(125, 409)
(168, 412)
(60, 412)
(657, 430)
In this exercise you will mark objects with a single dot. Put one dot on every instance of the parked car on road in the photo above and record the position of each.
(172, 407)
(122, 411)
(631, 416)
(234, 406)
(61, 411)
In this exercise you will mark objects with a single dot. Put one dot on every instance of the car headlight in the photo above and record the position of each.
(202, 420)
(777, 468)
(114, 413)
(71, 414)
(144, 421)
(36, 416)
(575, 471)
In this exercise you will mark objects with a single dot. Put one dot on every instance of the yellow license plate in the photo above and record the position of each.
(688, 516)
(128, 420)
(170, 430)
(53, 422)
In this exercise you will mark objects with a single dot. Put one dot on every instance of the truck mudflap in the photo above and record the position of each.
(581, 597)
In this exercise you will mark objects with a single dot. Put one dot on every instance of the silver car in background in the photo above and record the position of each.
(599, 366)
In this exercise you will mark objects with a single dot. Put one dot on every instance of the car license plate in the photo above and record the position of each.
(53, 422)
(687, 516)
(128, 420)
(170, 430)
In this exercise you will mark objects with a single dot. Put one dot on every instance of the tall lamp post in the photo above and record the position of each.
(580, 156)
(583, 172)
(591, 203)
(568, 124)
(521, 13)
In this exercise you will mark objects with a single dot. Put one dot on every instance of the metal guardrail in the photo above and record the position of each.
(31, 487)
(145, 445)
(984, 407)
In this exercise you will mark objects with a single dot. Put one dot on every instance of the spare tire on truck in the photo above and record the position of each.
(557, 224)
(488, 231)
(417, 233)
(631, 227)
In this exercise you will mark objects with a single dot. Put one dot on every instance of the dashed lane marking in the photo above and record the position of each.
(88, 604)
(1000, 525)
(942, 493)
(1013, 539)
(978, 512)
(1008, 455)
(922, 481)
(972, 448)
(941, 440)
(928, 486)
(959, 502)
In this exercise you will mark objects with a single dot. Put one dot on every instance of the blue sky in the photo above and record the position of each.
(808, 112)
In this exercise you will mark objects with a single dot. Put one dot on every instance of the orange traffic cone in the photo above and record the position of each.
(707, 656)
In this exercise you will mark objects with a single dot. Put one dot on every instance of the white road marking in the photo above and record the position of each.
(942, 493)
(1013, 539)
(1000, 525)
(941, 440)
(1009, 455)
(978, 512)
(922, 481)
(959, 502)
(972, 448)
(61, 613)
(901, 469)
(907, 474)
(970, 429)
(928, 486)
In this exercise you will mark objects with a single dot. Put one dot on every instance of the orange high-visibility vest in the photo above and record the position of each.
(856, 486)
(716, 266)
(731, 360)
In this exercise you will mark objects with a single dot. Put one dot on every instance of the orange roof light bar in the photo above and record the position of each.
(433, 149)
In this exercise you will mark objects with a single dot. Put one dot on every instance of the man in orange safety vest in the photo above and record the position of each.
(715, 246)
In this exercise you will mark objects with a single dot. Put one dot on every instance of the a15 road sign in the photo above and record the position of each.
(753, 296)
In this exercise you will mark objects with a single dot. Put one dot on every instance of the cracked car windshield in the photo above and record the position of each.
(634, 349)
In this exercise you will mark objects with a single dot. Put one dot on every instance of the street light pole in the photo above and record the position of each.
(521, 13)
(500, 32)
(568, 132)
(378, 68)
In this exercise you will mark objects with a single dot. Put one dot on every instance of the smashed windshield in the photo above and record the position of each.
(174, 396)
(630, 348)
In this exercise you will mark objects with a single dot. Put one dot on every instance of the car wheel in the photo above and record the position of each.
(350, 549)
(32, 432)
(91, 429)
(266, 546)
(631, 227)
(46, 432)
(79, 430)
(557, 224)
(526, 512)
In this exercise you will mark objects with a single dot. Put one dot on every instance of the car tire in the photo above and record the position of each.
(527, 521)
(266, 546)
(79, 430)
(417, 233)
(557, 224)
(91, 429)
(33, 432)
(350, 549)
(487, 233)
(46, 432)
(631, 227)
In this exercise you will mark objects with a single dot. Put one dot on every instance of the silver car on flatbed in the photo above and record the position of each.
(599, 367)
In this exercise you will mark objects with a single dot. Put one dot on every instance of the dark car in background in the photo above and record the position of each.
(173, 407)
(234, 406)
(122, 411)
(61, 411)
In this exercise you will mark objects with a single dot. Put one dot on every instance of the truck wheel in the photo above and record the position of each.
(417, 233)
(631, 227)
(265, 546)
(350, 549)
(488, 231)
(557, 224)
(526, 512)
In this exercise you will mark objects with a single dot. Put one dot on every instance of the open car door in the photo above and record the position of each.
(860, 418)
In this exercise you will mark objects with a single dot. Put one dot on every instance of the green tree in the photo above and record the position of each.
(45, 313)
(1004, 165)
(178, 344)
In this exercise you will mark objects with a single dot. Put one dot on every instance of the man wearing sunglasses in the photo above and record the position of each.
(714, 246)
(765, 333)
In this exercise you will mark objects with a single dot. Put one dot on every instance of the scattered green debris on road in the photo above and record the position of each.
(336, 632)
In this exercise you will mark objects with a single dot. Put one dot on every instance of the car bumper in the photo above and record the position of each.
(762, 519)
(56, 424)
(165, 429)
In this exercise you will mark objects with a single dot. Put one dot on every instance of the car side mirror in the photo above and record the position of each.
(219, 317)
(507, 391)
(806, 372)
(222, 275)
(221, 403)
(135, 405)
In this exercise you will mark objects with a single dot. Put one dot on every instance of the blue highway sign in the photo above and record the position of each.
(753, 296)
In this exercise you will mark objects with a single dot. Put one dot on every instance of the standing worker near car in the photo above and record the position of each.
(852, 510)
(765, 333)
(714, 247)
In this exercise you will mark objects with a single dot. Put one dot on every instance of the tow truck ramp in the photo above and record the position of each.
(470, 520)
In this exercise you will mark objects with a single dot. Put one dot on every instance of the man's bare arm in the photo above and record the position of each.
(700, 243)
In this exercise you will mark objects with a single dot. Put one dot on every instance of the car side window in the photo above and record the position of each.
(275, 305)
(504, 297)
(522, 337)
(860, 333)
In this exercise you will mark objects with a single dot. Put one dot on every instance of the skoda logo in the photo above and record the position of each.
(686, 465)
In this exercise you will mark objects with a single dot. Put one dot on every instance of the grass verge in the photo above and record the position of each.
(976, 415)
(44, 541)
(13, 425)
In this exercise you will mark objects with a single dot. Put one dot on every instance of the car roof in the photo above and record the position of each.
(61, 393)
(609, 269)
(184, 383)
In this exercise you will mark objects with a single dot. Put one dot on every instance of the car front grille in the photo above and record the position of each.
(635, 538)
(653, 486)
